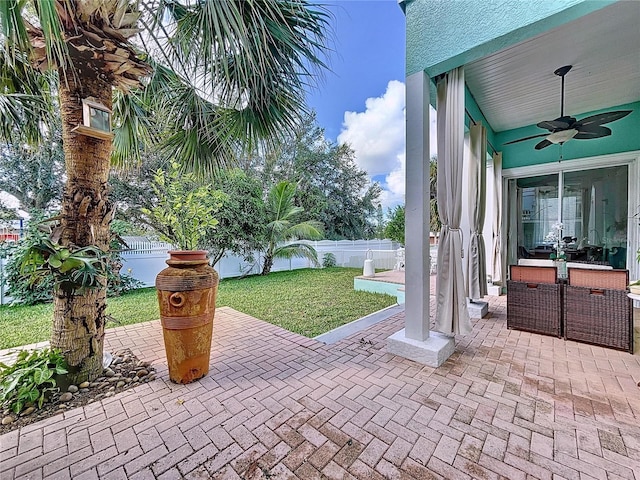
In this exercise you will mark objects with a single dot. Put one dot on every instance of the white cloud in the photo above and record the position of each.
(394, 184)
(377, 136)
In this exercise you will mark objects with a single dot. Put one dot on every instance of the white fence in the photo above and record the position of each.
(144, 259)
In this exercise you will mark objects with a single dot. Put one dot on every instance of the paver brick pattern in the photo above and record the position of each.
(275, 405)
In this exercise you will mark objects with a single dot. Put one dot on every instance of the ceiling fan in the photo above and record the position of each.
(565, 128)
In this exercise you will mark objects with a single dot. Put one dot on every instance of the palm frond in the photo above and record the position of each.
(280, 200)
(297, 250)
(309, 230)
(252, 58)
(14, 30)
(26, 101)
(133, 129)
(49, 12)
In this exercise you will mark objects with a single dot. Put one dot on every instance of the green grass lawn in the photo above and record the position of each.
(308, 302)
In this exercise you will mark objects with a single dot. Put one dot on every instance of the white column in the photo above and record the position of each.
(417, 265)
(415, 342)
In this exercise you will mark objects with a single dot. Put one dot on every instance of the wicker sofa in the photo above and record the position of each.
(597, 309)
(534, 300)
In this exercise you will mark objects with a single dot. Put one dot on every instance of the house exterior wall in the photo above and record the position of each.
(496, 25)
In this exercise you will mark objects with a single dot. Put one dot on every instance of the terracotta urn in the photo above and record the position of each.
(187, 291)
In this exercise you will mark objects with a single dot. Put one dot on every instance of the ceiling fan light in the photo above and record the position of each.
(562, 136)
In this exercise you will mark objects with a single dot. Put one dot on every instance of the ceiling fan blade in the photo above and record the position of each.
(526, 138)
(543, 144)
(602, 118)
(561, 123)
(592, 131)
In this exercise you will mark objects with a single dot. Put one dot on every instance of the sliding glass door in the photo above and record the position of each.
(592, 206)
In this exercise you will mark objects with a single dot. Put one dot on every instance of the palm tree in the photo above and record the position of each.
(203, 77)
(282, 233)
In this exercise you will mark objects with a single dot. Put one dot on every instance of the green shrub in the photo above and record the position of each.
(329, 260)
(30, 378)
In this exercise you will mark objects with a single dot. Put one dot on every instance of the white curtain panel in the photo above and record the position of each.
(496, 254)
(452, 316)
(476, 256)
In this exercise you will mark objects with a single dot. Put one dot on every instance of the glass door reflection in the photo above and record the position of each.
(594, 214)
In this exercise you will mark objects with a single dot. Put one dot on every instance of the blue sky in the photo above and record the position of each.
(362, 99)
(369, 52)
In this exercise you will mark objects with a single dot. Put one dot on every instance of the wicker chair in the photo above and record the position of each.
(534, 300)
(597, 309)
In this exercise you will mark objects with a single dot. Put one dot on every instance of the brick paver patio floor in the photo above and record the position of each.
(507, 405)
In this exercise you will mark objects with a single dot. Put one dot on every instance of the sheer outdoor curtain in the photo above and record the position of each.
(496, 274)
(476, 256)
(452, 316)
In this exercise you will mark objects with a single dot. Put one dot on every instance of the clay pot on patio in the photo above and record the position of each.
(187, 291)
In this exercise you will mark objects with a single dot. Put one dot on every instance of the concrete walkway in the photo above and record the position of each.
(507, 405)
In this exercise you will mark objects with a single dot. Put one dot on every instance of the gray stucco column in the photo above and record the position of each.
(415, 341)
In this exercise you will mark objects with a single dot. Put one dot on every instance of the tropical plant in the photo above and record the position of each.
(283, 233)
(184, 208)
(329, 260)
(25, 290)
(30, 378)
(74, 270)
(219, 74)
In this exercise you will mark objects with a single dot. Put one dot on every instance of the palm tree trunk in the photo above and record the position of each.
(267, 264)
(78, 324)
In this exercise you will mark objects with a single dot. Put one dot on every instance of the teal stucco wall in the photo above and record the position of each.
(444, 34)
(625, 137)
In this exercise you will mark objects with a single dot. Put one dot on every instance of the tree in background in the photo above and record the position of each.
(282, 231)
(219, 74)
(330, 186)
(242, 226)
(394, 229)
(34, 173)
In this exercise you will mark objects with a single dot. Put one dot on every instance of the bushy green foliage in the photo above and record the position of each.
(30, 378)
(19, 288)
(242, 226)
(395, 226)
(329, 260)
(184, 210)
(26, 292)
(72, 269)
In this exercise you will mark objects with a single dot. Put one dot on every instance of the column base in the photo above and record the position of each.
(432, 352)
(477, 309)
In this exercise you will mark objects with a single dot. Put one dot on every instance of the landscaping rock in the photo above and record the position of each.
(27, 411)
(72, 389)
(124, 376)
(142, 373)
(65, 397)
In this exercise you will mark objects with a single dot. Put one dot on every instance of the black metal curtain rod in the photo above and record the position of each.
(475, 123)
